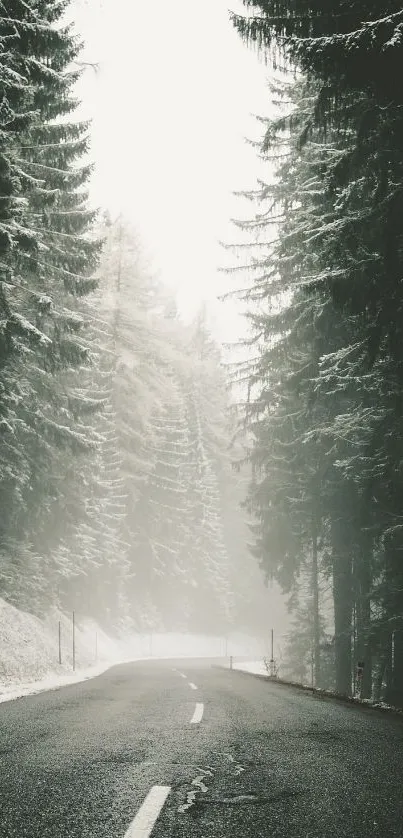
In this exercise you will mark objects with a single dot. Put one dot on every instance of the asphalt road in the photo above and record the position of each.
(263, 761)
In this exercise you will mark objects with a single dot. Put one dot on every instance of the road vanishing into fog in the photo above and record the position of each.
(181, 749)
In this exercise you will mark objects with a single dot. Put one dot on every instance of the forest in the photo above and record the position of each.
(117, 488)
(135, 487)
(322, 268)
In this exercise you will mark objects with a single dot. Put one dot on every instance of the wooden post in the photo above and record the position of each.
(272, 671)
(60, 642)
(74, 642)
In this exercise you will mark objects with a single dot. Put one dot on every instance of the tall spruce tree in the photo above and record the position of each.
(49, 265)
(352, 228)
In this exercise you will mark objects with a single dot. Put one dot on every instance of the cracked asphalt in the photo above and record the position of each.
(266, 761)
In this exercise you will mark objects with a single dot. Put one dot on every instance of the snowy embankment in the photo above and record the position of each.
(260, 668)
(257, 667)
(29, 651)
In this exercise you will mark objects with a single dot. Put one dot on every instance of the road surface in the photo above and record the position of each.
(179, 749)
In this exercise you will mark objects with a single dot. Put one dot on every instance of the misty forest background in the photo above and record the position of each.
(136, 486)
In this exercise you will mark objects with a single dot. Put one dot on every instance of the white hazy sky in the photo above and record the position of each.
(171, 105)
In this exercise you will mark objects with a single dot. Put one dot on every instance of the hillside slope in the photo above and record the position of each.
(29, 651)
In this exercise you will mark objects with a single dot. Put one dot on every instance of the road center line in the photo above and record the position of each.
(179, 673)
(143, 823)
(192, 686)
(197, 715)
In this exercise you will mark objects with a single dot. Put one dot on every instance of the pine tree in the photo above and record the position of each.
(49, 266)
(169, 402)
(350, 57)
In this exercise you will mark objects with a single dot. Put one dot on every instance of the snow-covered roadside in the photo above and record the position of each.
(8, 692)
(254, 667)
(258, 667)
(29, 652)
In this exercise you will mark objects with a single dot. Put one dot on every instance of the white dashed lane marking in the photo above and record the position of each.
(143, 823)
(179, 673)
(192, 686)
(197, 715)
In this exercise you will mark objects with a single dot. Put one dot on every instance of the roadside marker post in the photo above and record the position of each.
(74, 642)
(272, 670)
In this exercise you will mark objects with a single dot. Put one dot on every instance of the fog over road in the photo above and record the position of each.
(212, 753)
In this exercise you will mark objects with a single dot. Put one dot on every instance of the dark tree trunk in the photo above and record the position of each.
(394, 693)
(342, 598)
(381, 668)
(362, 587)
(315, 603)
(386, 687)
(394, 614)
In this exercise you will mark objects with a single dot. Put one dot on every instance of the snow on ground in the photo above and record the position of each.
(29, 650)
(256, 667)
(53, 681)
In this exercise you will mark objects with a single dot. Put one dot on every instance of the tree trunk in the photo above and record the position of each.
(394, 693)
(342, 598)
(315, 604)
(387, 690)
(394, 613)
(380, 668)
(362, 588)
